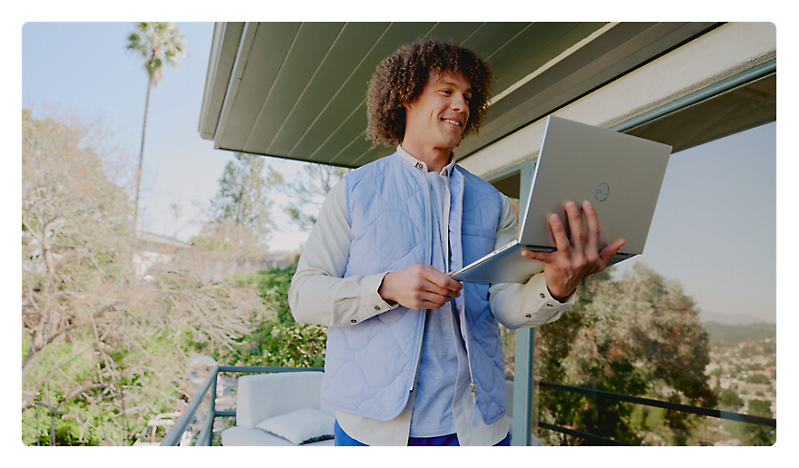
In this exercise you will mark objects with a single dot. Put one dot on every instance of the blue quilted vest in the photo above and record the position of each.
(370, 367)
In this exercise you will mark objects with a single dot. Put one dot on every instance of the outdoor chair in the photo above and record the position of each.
(296, 396)
(288, 404)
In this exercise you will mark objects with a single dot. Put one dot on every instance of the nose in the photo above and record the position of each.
(459, 104)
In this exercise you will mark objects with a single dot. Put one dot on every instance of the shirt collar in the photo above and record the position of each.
(446, 171)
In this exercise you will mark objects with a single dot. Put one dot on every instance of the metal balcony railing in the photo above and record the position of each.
(206, 434)
(728, 415)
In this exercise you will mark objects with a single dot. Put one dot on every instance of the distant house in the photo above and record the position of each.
(153, 249)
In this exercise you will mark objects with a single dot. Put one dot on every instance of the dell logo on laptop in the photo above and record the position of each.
(602, 192)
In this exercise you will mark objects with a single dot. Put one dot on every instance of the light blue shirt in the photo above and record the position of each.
(438, 368)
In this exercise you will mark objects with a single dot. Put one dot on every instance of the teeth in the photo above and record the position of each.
(452, 122)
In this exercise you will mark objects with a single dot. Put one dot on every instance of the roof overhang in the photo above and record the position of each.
(297, 90)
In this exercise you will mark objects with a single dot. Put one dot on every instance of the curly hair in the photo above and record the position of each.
(400, 78)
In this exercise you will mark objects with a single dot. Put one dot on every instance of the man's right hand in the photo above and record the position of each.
(419, 287)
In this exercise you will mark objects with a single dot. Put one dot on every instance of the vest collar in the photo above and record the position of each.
(406, 156)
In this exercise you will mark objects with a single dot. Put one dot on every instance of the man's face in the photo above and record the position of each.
(437, 118)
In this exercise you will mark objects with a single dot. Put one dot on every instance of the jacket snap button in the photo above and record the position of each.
(542, 295)
(528, 315)
(377, 307)
(353, 321)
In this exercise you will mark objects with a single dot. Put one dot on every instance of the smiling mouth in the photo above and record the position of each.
(453, 122)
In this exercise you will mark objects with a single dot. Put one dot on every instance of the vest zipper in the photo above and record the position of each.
(429, 262)
(419, 354)
(464, 331)
(472, 386)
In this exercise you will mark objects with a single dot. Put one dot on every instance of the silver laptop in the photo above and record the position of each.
(619, 174)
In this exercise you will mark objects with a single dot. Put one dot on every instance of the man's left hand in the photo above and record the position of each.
(573, 260)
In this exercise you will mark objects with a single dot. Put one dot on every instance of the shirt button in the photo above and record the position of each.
(549, 305)
(419, 165)
(528, 316)
(353, 321)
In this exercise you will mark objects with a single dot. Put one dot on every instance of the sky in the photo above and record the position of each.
(105, 83)
(719, 244)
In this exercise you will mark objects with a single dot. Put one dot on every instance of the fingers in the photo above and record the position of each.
(559, 233)
(592, 231)
(419, 287)
(577, 255)
(612, 249)
(440, 280)
(432, 301)
(545, 257)
(576, 228)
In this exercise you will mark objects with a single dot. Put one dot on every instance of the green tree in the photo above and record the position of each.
(747, 433)
(307, 190)
(279, 340)
(756, 434)
(730, 400)
(102, 350)
(637, 336)
(74, 221)
(240, 209)
(156, 43)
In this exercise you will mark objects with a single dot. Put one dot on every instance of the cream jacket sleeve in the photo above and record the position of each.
(318, 293)
(522, 305)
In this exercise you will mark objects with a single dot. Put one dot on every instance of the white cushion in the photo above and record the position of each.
(263, 396)
(304, 425)
(239, 436)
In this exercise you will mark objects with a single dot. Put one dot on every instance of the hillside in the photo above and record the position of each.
(730, 335)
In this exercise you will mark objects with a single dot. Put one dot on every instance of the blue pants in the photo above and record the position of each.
(342, 439)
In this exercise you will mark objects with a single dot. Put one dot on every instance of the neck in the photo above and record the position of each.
(434, 158)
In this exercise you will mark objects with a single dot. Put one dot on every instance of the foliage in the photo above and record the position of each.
(240, 208)
(280, 340)
(273, 287)
(276, 343)
(730, 400)
(74, 226)
(753, 434)
(308, 190)
(103, 351)
(156, 43)
(636, 336)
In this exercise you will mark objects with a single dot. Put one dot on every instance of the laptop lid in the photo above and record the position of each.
(621, 175)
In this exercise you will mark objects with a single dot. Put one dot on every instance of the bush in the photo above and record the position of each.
(279, 340)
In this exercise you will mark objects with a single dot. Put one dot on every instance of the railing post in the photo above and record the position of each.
(523, 362)
(207, 434)
(174, 435)
(523, 387)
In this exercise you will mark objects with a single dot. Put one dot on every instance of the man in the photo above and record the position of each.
(413, 356)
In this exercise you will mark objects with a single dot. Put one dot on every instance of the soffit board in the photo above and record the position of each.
(298, 90)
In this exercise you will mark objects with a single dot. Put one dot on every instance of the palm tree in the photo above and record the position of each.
(155, 42)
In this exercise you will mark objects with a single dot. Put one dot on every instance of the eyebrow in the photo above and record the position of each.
(454, 85)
